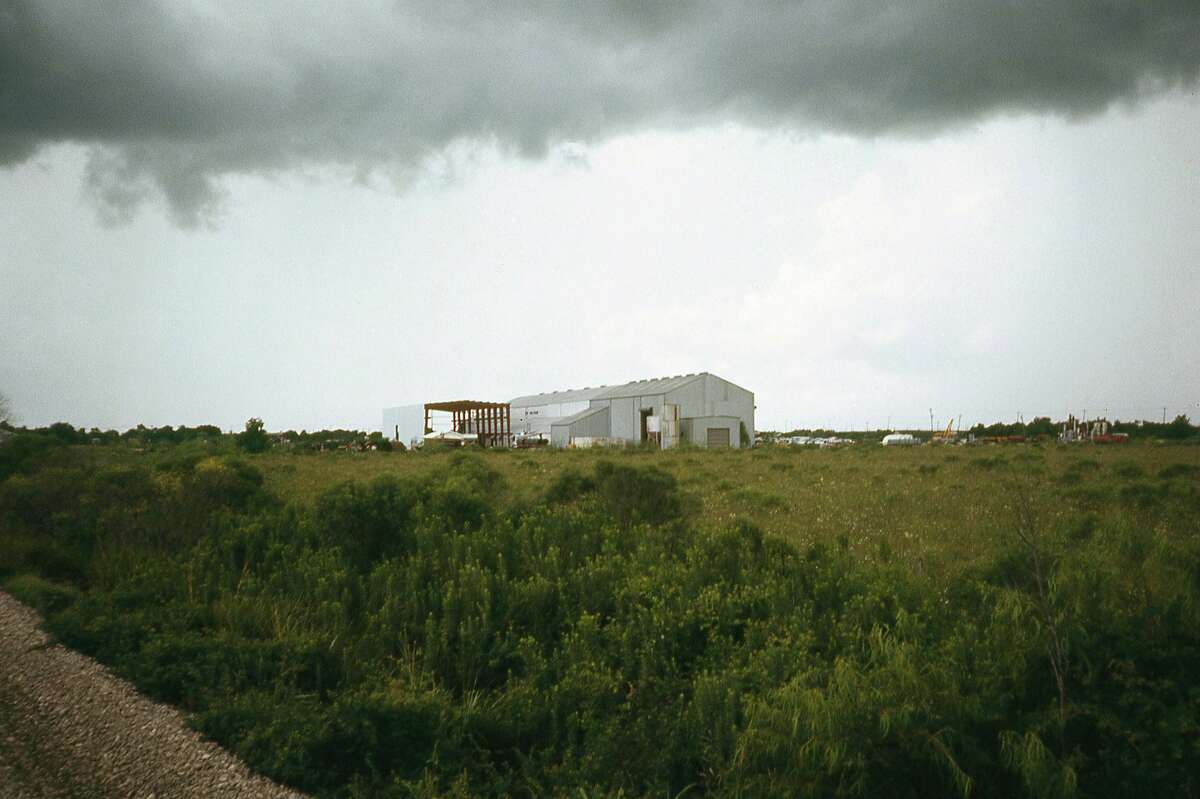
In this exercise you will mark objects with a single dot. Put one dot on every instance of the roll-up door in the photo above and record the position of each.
(718, 437)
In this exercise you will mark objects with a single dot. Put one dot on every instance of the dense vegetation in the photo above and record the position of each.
(987, 622)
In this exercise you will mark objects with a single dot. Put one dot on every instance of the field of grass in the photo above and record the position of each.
(990, 621)
(932, 508)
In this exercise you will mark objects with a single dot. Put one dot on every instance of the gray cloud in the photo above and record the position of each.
(174, 96)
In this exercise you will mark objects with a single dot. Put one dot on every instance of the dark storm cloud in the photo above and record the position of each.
(173, 96)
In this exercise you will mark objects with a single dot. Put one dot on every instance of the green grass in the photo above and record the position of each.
(939, 508)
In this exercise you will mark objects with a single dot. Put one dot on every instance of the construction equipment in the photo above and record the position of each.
(946, 436)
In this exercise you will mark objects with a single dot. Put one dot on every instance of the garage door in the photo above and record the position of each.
(718, 436)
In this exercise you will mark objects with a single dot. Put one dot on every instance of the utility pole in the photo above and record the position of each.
(931, 420)
(1164, 414)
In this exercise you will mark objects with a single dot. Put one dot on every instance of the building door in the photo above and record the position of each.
(717, 437)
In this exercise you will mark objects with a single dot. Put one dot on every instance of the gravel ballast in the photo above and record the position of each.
(70, 728)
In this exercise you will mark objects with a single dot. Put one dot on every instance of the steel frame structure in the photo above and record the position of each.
(492, 421)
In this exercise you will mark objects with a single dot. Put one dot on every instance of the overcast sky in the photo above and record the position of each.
(859, 211)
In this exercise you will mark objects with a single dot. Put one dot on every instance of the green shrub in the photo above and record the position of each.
(44, 595)
(193, 669)
(369, 523)
(759, 501)
(647, 495)
(363, 739)
(222, 484)
(1128, 470)
(1141, 494)
(1179, 470)
(23, 452)
(568, 486)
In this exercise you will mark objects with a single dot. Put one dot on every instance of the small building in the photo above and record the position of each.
(701, 409)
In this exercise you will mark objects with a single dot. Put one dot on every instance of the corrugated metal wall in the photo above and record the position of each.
(707, 397)
(539, 418)
(723, 398)
(593, 425)
(696, 430)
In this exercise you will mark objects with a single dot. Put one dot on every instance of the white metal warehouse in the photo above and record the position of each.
(702, 409)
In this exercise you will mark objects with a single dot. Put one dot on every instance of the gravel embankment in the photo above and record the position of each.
(70, 728)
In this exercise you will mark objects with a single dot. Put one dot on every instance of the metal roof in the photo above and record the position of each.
(463, 405)
(550, 397)
(575, 417)
(655, 385)
(637, 388)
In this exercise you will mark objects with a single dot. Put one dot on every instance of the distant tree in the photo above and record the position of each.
(1040, 426)
(1179, 428)
(379, 442)
(66, 433)
(6, 415)
(254, 438)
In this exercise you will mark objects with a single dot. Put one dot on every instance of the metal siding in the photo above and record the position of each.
(689, 398)
(557, 397)
(624, 419)
(560, 435)
(409, 418)
(540, 418)
(723, 398)
(595, 425)
(697, 395)
(698, 429)
(649, 388)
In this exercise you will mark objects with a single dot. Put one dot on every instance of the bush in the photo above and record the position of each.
(44, 595)
(369, 523)
(1179, 470)
(24, 451)
(1128, 470)
(363, 739)
(222, 484)
(568, 486)
(638, 496)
